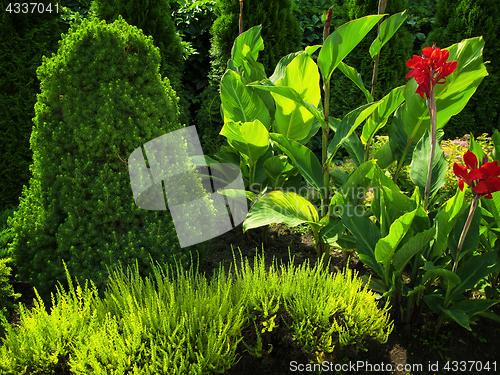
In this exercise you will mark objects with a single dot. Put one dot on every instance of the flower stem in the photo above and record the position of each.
(431, 104)
(473, 206)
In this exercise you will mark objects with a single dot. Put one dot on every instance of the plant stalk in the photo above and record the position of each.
(241, 16)
(431, 104)
(381, 10)
(473, 206)
(325, 201)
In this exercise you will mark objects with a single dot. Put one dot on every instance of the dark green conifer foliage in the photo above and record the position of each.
(154, 19)
(392, 65)
(461, 19)
(281, 34)
(25, 38)
(101, 97)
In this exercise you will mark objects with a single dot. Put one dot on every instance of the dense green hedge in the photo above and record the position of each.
(461, 19)
(154, 19)
(25, 39)
(101, 98)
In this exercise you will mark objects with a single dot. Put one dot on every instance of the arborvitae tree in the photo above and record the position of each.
(392, 64)
(25, 39)
(461, 19)
(101, 98)
(281, 34)
(154, 19)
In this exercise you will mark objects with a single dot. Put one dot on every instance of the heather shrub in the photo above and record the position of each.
(101, 98)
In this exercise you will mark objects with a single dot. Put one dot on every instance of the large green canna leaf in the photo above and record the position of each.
(354, 76)
(247, 44)
(348, 125)
(342, 41)
(350, 188)
(385, 248)
(293, 120)
(412, 247)
(367, 236)
(473, 270)
(388, 104)
(240, 103)
(280, 207)
(387, 29)
(471, 239)
(304, 159)
(288, 93)
(451, 97)
(446, 220)
(420, 166)
(352, 144)
(251, 139)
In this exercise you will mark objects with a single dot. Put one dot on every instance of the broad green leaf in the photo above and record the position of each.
(445, 221)
(288, 93)
(412, 247)
(278, 169)
(451, 97)
(385, 248)
(293, 120)
(496, 145)
(251, 139)
(279, 71)
(476, 148)
(350, 188)
(354, 76)
(384, 156)
(280, 207)
(476, 268)
(378, 119)
(332, 230)
(458, 316)
(228, 155)
(342, 41)
(447, 277)
(400, 143)
(241, 103)
(493, 206)
(353, 145)
(367, 236)
(472, 307)
(311, 49)
(247, 44)
(472, 237)
(387, 29)
(303, 158)
(348, 125)
(420, 165)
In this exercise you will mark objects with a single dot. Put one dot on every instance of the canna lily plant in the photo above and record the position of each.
(269, 120)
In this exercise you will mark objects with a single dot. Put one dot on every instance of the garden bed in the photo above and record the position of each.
(407, 345)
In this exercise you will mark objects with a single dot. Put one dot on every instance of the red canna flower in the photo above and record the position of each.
(486, 175)
(430, 69)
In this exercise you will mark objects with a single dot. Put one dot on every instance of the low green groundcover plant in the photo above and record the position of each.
(178, 322)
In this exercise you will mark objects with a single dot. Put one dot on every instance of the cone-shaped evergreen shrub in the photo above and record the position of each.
(154, 19)
(461, 19)
(101, 98)
(25, 39)
(345, 96)
(281, 34)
